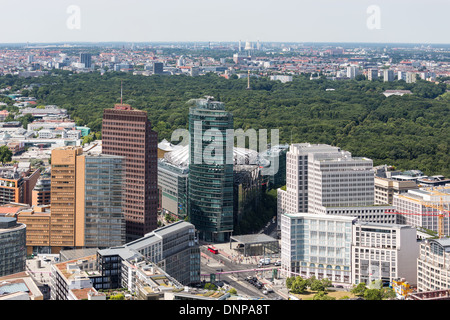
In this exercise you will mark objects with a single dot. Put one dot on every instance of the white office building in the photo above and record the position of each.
(384, 252)
(323, 179)
(317, 245)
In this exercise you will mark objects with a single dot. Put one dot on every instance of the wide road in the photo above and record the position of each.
(223, 268)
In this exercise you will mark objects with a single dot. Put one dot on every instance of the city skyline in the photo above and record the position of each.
(266, 21)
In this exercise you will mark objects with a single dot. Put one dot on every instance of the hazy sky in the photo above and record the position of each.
(407, 21)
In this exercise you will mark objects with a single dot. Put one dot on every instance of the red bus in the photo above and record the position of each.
(213, 249)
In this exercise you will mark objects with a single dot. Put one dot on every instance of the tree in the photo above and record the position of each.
(317, 285)
(299, 285)
(372, 294)
(388, 293)
(5, 154)
(359, 289)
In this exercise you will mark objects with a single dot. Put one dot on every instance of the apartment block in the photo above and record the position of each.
(384, 252)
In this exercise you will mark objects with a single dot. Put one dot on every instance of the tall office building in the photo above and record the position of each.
(127, 132)
(63, 192)
(86, 59)
(210, 185)
(295, 198)
(86, 200)
(323, 179)
(158, 68)
(99, 200)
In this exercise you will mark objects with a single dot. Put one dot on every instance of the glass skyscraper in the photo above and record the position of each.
(210, 183)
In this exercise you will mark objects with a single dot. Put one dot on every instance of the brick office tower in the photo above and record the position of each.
(127, 132)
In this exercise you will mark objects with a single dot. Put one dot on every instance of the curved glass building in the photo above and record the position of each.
(210, 184)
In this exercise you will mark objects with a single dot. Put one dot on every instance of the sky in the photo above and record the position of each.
(376, 21)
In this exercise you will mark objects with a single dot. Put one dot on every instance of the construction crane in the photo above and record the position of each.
(440, 207)
(441, 213)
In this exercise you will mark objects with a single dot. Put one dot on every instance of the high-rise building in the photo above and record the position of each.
(388, 75)
(128, 132)
(210, 186)
(63, 192)
(86, 200)
(352, 72)
(372, 74)
(327, 180)
(158, 68)
(86, 59)
(99, 200)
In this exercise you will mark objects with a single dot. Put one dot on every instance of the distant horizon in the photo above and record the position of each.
(281, 21)
(218, 42)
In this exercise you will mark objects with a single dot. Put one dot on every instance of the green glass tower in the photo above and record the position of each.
(210, 182)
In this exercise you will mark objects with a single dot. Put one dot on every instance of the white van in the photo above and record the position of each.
(264, 261)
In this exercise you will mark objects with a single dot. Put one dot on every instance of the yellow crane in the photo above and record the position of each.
(440, 207)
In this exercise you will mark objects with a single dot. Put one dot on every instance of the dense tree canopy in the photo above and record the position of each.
(409, 131)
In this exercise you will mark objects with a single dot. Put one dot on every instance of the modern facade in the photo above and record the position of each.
(12, 246)
(87, 199)
(172, 184)
(317, 245)
(210, 186)
(384, 252)
(433, 265)
(86, 59)
(327, 180)
(172, 248)
(127, 132)
(99, 199)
